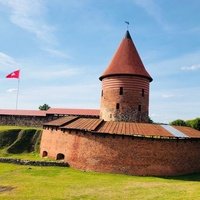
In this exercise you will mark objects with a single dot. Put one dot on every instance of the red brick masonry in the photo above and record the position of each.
(129, 101)
(114, 143)
(126, 154)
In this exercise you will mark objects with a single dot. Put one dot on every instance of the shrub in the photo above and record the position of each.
(196, 123)
(178, 122)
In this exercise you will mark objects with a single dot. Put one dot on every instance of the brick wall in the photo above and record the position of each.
(17, 120)
(123, 154)
(133, 102)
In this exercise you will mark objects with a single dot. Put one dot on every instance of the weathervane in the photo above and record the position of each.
(127, 24)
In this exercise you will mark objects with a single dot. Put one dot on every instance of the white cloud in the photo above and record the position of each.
(154, 10)
(172, 65)
(71, 96)
(27, 14)
(182, 105)
(52, 73)
(57, 73)
(7, 61)
(56, 53)
(166, 96)
(11, 90)
(154, 115)
(191, 68)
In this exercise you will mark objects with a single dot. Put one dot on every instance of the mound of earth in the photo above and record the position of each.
(20, 140)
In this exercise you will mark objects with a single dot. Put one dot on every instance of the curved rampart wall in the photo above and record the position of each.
(123, 154)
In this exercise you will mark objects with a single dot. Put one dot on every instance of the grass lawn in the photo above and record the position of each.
(65, 183)
(23, 156)
(62, 183)
(4, 128)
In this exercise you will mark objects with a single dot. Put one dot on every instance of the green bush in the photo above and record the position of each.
(196, 123)
(178, 122)
(193, 123)
(190, 123)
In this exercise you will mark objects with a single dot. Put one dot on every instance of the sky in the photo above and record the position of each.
(62, 47)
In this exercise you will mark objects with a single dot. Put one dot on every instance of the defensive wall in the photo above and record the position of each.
(122, 153)
(20, 120)
(37, 118)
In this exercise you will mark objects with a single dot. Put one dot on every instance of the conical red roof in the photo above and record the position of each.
(126, 61)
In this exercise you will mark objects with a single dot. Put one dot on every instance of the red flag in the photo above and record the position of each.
(14, 74)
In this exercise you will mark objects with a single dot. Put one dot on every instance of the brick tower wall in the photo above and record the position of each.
(125, 98)
(123, 154)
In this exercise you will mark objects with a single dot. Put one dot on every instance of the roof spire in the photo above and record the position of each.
(128, 36)
(126, 61)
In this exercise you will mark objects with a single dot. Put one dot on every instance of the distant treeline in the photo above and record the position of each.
(194, 123)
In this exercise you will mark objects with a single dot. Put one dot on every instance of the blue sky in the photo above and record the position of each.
(62, 47)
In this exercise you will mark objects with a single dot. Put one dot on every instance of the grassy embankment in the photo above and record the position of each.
(20, 142)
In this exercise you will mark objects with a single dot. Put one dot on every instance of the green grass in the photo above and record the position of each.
(46, 183)
(62, 183)
(24, 156)
(3, 128)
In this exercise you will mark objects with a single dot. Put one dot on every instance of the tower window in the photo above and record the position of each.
(117, 106)
(121, 91)
(139, 108)
(142, 92)
(101, 92)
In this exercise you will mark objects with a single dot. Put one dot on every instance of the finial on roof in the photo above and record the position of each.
(127, 24)
(128, 36)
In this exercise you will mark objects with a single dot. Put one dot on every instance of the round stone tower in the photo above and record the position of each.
(125, 86)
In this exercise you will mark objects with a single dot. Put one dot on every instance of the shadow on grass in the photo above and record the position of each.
(189, 177)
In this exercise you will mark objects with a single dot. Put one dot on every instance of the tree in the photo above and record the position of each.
(196, 124)
(178, 122)
(193, 123)
(150, 120)
(44, 107)
(190, 123)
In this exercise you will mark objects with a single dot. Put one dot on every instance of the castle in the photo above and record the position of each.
(121, 140)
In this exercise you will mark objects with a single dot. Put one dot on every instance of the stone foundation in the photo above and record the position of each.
(33, 163)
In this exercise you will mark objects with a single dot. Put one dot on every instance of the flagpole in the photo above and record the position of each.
(17, 94)
(15, 74)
